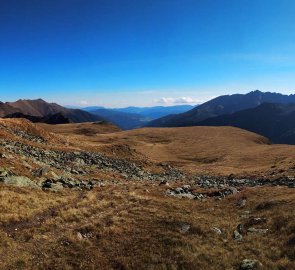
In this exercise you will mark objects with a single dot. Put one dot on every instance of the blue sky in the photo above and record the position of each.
(144, 52)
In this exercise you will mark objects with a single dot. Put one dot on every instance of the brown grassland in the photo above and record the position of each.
(201, 150)
(134, 224)
(128, 227)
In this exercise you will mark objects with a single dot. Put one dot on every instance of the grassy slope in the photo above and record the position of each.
(215, 150)
(125, 227)
(133, 225)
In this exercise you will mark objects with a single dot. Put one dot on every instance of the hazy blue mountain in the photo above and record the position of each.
(121, 119)
(227, 104)
(156, 112)
(135, 117)
(92, 108)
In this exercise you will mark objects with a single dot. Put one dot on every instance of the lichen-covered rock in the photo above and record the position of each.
(19, 181)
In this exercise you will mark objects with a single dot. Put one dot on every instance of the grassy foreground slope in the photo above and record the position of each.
(136, 227)
(126, 222)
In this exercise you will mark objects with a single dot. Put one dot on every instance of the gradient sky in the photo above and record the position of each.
(144, 52)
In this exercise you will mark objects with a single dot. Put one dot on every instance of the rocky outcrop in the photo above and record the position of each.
(8, 178)
(73, 162)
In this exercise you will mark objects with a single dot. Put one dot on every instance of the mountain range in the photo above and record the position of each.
(126, 118)
(40, 108)
(269, 114)
(273, 120)
(221, 105)
(135, 117)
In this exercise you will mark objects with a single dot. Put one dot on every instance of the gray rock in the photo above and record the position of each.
(187, 195)
(56, 187)
(257, 231)
(180, 193)
(233, 190)
(256, 221)
(216, 230)
(79, 236)
(241, 203)
(20, 181)
(237, 236)
(178, 190)
(164, 183)
(250, 265)
(185, 227)
(240, 228)
(3, 173)
(40, 172)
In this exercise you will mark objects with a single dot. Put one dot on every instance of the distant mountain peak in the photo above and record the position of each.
(40, 108)
(221, 105)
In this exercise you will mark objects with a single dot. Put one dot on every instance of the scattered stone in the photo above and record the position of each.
(205, 181)
(71, 162)
(255, 221)
(250, 265)
(180, 193)
(40, 172)
(79, 236)
(237, 236)
(3, 173)
(185, 227)
(257, 231)
(164, 183)
(216, 230)
(241, 203)
(241, 228)
(56, 187)
(186, 192)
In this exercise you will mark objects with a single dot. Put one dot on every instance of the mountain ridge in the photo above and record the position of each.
(221, 105)
(272, 120)
(40, 108)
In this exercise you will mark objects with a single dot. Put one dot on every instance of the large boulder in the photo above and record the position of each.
(19, 181)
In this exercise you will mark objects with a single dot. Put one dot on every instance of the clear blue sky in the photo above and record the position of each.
(144, 52)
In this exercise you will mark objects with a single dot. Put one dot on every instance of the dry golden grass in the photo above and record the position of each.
(82, 129)
(133, 225)
(18, 204)
(137, 227)
(201, 150)
(10, 127)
